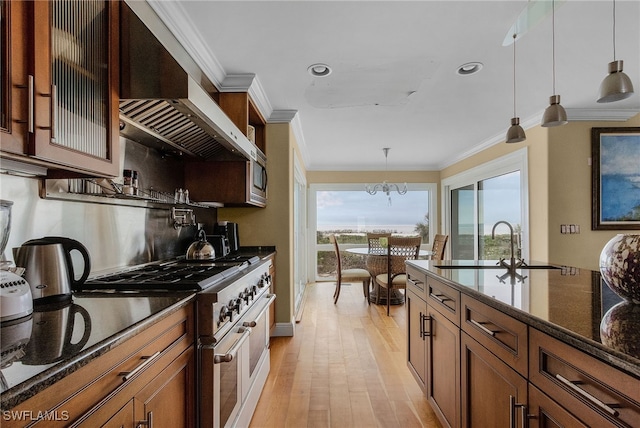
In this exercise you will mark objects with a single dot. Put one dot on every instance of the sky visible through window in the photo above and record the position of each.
(358, 211)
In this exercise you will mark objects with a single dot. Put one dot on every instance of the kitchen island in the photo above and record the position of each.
(488, 344)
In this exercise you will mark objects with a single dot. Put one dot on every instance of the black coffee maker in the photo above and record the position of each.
(230, 230)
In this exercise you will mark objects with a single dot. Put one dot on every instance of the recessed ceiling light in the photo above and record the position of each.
(319, 70)
(469, 68)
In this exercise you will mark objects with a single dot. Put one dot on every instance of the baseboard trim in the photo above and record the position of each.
(284, 328)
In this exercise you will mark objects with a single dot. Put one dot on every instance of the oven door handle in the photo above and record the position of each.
(231, 353)
(254, 323)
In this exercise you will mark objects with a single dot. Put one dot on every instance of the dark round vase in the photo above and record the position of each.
(620, 266)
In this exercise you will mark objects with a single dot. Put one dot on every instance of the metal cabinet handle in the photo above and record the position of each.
(231, 353)
(425, 332)
(31, 104)
(512, 413)
(148, 422)
(483, 328)
(147, 360)
(414, 282)
(54, 112)
(439, 297)
(585, 394)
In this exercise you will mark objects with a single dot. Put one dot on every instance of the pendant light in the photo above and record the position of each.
(617, 85)
(515, 134)
(555, 114)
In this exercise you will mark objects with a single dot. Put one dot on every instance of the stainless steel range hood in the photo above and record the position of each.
(162, 106)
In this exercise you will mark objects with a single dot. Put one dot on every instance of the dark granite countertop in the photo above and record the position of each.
(567, 303)
(56, 340)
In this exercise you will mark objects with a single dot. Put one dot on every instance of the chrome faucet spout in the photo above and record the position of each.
(512, 265)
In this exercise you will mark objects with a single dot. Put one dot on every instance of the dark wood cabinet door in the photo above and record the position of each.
(487, 386)
(75, 67)
(123, 419)
(14, 81)
(546, 413)
(169, 399)
(416, 338)
(443, 367)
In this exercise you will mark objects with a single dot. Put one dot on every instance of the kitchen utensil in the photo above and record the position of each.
(49, 267)
(201, 249)
(54, 328)
(220, 244)
(230, 230)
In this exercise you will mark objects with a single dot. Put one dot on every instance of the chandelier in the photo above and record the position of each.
(385, 187)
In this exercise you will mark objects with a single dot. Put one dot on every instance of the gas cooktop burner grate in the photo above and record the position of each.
(177, 275)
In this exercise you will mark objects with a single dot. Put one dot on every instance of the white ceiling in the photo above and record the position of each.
(394, 81)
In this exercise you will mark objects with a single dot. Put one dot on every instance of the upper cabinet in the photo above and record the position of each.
(245, 115)
(62, 84)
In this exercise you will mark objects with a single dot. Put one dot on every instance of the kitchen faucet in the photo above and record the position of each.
(513, 264)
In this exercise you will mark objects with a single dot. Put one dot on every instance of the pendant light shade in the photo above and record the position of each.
(616, 86)
(554, 115)
(515, 134)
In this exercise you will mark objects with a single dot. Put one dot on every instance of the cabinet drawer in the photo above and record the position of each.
(498, 332)
(103, 377)
(444, 299)
(416, 281)
(596, 393)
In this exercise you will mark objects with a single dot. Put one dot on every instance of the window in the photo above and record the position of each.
(476, 200)
(350, 212)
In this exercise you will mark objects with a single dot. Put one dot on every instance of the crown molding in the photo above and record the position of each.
(528, 123)
(237, 82)
(594, 115)
(293, 119)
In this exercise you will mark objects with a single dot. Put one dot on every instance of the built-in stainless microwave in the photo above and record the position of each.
(258, 185)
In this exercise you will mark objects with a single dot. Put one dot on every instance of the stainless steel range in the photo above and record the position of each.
(233, 299)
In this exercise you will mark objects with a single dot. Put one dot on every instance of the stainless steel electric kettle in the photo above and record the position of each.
(49, 268)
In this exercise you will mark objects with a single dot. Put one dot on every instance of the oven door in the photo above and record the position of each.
(221, 373)
(258, 320)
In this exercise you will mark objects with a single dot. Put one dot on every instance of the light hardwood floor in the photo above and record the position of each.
(345, 366)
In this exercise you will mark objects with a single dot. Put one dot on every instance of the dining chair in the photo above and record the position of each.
(348, 275)
(401, 248)
(439, 245)
(373, 241)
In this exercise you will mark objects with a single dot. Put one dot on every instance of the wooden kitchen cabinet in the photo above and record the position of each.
(488, 384)
(63, 86)
(243, 113)
(233, 181)
(99, 395)
(433, 348)
(417, 348)
(594, 392)
(503, 335)
(546, 413)
(443, 367)
(13, 77)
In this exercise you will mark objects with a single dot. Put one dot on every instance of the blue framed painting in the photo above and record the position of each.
(615, 184)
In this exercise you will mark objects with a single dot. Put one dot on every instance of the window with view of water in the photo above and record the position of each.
(351, 213)
(486, 198)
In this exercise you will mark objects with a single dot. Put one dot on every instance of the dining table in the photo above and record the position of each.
(376, 263)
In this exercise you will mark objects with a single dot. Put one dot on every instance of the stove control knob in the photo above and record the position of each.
(224, 314)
